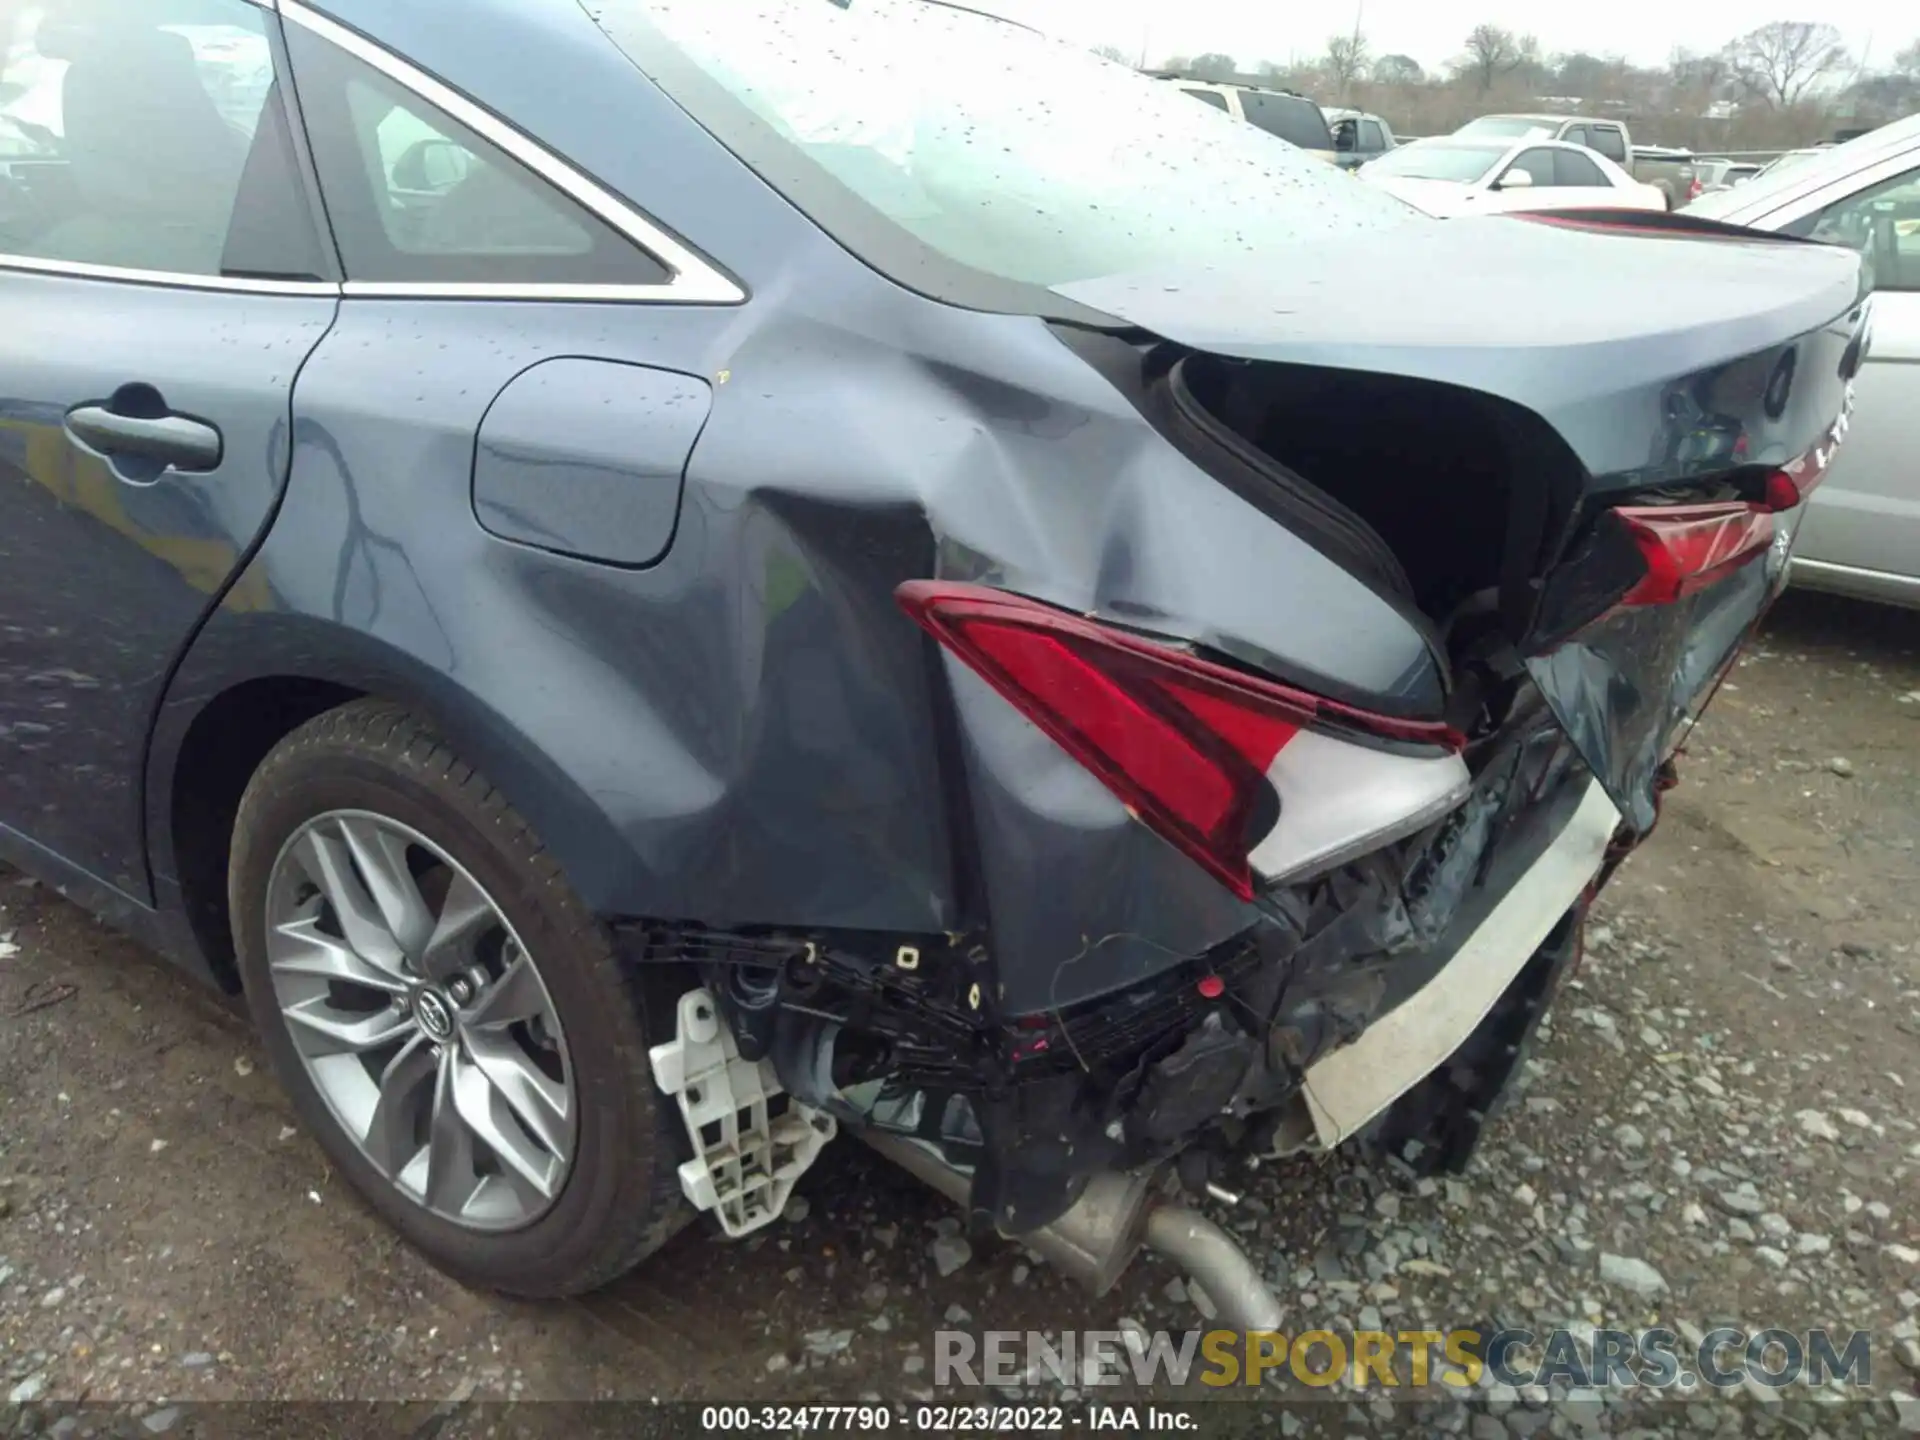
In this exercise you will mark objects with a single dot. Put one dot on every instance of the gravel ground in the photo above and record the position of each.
(1718, 1128)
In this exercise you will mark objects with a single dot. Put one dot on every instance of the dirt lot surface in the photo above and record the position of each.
(1720, 1127)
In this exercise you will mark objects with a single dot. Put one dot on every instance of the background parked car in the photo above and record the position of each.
(1451, 177)
(1716, 174)
(1294, 118)
(1668, 171)
(1861, 535)
(1358, 137)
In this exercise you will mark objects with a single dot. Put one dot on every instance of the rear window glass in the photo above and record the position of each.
(964, 155)
(1298, 122)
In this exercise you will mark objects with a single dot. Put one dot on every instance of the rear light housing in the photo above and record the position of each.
(1185, 743)
(1689, 547)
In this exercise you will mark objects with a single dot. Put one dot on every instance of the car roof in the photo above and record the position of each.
(1236, 85)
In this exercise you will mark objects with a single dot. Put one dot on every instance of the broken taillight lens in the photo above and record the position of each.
(1689, 547)
(1183, 742)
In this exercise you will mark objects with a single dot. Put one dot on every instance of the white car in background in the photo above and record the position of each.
(1455, 175)
(1861, 535)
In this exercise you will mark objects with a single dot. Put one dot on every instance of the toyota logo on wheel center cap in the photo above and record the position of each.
(434, 1013)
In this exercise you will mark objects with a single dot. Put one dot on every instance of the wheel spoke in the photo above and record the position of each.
(406, 1085)
(300, 947)
(538, 1101)
(517, 995)
(480, 1106)
(328, 865)
(382, 857)
(472, 1116)
(464, 917)
(451, 1176)
(321, 1028)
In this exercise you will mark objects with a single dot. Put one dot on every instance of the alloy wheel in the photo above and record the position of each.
(421, 1020)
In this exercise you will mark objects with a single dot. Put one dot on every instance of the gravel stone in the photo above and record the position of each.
(1630, 1274)
(1816, 1124)
(28, 1390)
(950, 1253)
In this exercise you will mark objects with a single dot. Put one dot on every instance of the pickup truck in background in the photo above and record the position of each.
(1358, 137)
(1668, 171)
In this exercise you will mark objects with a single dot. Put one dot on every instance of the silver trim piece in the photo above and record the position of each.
(1339, 800)
(1351, 1085)
(1884, 586)
(173, 279)
(694, 282)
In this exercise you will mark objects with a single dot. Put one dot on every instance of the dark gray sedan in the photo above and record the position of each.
(653, 581)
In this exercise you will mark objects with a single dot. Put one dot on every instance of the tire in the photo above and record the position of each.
(616, 1198)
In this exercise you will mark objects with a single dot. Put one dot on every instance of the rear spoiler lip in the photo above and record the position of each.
(1655, 222)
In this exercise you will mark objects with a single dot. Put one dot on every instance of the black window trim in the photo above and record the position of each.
(181, 279)
(692, 278)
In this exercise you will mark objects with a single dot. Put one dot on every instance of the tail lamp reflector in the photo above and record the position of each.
(1689, 547)
(1183, 742)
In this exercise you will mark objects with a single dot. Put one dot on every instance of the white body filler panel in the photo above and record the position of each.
(1339, 801)
(745, 1159)
(1349, 1087)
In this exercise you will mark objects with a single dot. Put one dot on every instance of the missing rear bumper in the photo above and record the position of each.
(1354, 1084)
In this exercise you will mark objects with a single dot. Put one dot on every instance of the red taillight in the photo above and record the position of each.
(1694, 190)
(1783, 492)
(1689, 547)
(1183, 742)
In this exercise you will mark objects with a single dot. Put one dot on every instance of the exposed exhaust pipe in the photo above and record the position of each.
(1096, 1240)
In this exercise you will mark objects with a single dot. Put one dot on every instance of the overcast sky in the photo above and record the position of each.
(1645, 31)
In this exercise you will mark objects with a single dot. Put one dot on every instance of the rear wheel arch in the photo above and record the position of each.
(203, 756)
(216, 759)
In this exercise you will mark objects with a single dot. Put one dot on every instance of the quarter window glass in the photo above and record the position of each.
(148, 135)
(1572, 168)
(1609, 143)
(1882, 222)
(417, 198)
(1211, 97)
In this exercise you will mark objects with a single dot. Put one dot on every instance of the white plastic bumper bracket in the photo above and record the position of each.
(748, 1150)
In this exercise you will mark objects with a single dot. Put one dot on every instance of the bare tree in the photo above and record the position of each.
(1347, 60)
(1114, 53)
(1907, 61)
(1779, 62)
(1492, 52)
(1398, 70)
(1213, 66)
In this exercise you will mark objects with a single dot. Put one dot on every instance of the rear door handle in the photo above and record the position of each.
(172, 440)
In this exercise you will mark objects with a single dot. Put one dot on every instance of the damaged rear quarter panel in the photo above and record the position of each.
(1003, 459)
(749, 732)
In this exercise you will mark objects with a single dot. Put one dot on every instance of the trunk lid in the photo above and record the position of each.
(1670, 357)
